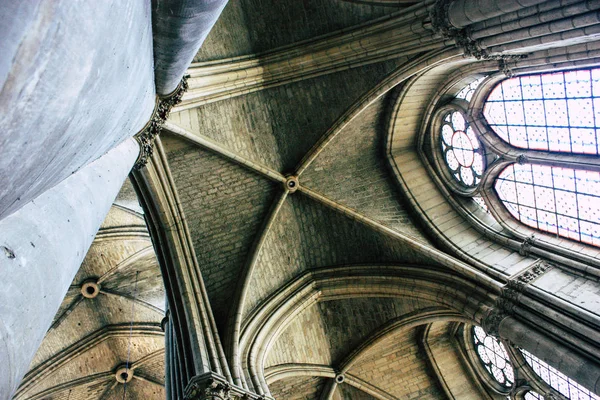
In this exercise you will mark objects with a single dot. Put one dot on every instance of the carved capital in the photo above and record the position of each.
(209, 389)
(211, 386)
(440, 20)
(150, 132)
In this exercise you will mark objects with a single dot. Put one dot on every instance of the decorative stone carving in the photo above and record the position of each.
(525, 248)
(291, 183)
(491, 322)
(522, 159)
(210, 389)
(533, 273)
(509, 299)
(505, 68)
(440, 22)
(211, 386)
(148, 134)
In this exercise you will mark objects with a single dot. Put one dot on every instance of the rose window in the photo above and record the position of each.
(461, 150)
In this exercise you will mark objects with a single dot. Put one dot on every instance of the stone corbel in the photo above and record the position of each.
(162, 109)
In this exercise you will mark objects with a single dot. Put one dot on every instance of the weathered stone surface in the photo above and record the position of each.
(72, 87)
(43, 246)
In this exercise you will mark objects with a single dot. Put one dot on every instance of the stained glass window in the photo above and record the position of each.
(554, 111)
(494, 357)
(533, 396)
(560, 201)
(461, 149)
(557, 380)
(481, 203)
(467, 92)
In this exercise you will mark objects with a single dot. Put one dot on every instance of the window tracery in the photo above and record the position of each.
(557, 200)
(550, 112)
(467, 92)
(533, 379)
(494, 357)
(462, 150)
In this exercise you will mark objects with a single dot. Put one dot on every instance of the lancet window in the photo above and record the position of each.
(553, 119)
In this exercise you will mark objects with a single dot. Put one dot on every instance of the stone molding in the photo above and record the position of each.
(526, 245)
(509, 299)
(534, 272)
(150, 132)
(440, 22)
(211, 386)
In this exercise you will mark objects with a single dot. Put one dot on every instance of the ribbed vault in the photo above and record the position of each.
(110, 316)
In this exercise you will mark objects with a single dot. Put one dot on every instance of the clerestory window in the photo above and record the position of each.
(493, 357)
(557, 380)
(553, 116)
(521, 380)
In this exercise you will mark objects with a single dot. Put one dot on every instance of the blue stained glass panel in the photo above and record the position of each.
(563, 107)
(561, 201)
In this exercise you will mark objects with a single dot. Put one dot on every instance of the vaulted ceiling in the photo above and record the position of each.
(230, 160)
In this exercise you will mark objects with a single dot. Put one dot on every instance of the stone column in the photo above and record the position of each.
(42, 246)
(179, 28)
(462, 13)
(570, 362)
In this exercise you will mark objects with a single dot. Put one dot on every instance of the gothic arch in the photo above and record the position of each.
(460, 299)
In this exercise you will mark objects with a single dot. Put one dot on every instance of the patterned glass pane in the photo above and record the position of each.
(467, 92)
(561, 201)
(557, 380)
(461, 149)
(494, 357)
(554, 111)
(533, 396)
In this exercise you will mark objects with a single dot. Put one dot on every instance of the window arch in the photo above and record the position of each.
(518, 374)
(555, 118)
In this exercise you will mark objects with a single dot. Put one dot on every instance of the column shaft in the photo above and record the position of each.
(582, 369)
(463, 13)
(179, 28)
(42, 246)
